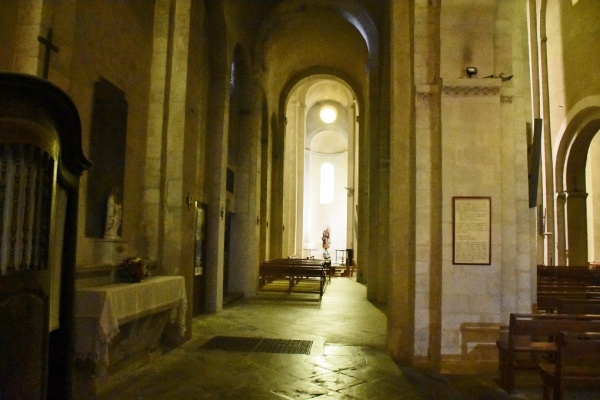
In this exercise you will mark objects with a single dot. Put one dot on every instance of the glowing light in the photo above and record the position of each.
(327, 183)
(328, 114)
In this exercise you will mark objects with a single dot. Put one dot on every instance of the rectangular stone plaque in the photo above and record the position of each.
(472, 230)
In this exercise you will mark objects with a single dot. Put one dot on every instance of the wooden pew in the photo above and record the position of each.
(568, 287)
(549, 301)
(315, 262)
(531, 335)
(573, 273)
(577, 361)
(579, 306)
(294, 272)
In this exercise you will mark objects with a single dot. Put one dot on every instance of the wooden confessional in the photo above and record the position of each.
(41, 161)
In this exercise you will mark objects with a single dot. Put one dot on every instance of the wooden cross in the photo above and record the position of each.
(50, 47)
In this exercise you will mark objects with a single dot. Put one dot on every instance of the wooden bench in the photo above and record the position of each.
(567, 287)
(329, 269)
(549, 301)
(579, 273)
(294, 272)
(579, 306)
(577, 361)
(531, 335)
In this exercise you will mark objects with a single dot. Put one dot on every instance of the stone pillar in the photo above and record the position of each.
(576, 228)
(154, 142)
(176, 216)
(557, 255)
(300, 141)
(27, 47)
(428, 211)
(593, 186)
(401, 286)
(168, 222)
(293, 131)
(277, 126)
(217, 139)
(547, 183)
(352, 113)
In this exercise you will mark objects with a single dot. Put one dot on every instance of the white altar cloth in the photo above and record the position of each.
(99, 310)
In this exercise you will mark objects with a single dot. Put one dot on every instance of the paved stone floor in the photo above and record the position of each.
(347, 360)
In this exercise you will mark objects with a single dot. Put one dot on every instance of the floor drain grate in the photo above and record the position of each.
(262, 345)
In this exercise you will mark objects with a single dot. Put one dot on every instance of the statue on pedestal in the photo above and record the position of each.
(326, 243)
(114, 214)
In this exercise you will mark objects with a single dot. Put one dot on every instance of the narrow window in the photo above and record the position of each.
(327, 183)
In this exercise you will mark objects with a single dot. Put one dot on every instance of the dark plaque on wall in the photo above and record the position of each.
(107, 152)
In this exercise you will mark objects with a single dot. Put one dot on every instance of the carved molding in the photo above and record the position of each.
(423, 96)
(471, 90)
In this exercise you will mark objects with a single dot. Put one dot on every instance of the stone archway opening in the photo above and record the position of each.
(320, 172)
(577, 189)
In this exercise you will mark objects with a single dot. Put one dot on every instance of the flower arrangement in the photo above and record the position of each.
(133, 269)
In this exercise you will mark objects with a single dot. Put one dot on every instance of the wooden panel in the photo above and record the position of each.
(23, 343)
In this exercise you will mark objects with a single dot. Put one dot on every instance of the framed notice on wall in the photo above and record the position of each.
(472, 230)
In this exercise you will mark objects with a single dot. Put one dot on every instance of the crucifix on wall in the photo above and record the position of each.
(50, 47)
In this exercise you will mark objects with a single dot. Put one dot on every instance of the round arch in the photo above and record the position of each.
(573, 142)
(349, 11)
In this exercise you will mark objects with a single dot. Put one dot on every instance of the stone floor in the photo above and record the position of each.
(347, 359)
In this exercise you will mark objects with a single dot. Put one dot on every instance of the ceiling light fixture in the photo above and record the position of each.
(328, 114)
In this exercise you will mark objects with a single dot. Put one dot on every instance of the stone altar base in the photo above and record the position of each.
(138, 343)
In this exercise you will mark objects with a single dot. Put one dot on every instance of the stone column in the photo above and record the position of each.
(293, 130)
(593, 186)
(401, 286)
(26, 58)
(154, 144)
(557, 255)
(576, 228)
(176, 216)
(300, 141)
(352, 131)
(428, 211)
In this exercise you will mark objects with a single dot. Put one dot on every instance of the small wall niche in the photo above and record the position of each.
(107, 151)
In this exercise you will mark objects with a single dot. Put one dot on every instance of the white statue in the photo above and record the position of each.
(114, 214)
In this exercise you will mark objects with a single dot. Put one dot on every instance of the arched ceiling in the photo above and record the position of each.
(329, 142)
(327, 35)
(328, 89)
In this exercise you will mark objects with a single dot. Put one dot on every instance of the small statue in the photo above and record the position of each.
(114, 214)
(326, 243)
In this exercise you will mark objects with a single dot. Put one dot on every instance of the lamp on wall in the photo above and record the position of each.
(471, 71)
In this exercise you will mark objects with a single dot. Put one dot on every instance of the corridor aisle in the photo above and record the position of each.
(347, 359)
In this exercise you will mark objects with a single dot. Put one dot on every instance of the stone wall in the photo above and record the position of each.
(113, 41)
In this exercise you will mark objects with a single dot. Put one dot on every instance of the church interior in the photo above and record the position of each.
(442, 155)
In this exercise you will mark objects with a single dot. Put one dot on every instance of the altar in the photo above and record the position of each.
(123, 321)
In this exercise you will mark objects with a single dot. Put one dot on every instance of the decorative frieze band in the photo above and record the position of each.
(471, 90)
(506, 99)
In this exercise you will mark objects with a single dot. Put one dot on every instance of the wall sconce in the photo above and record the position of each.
(471, 71)
(190, 201)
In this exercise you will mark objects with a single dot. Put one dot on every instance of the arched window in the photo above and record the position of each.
(327, 183)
